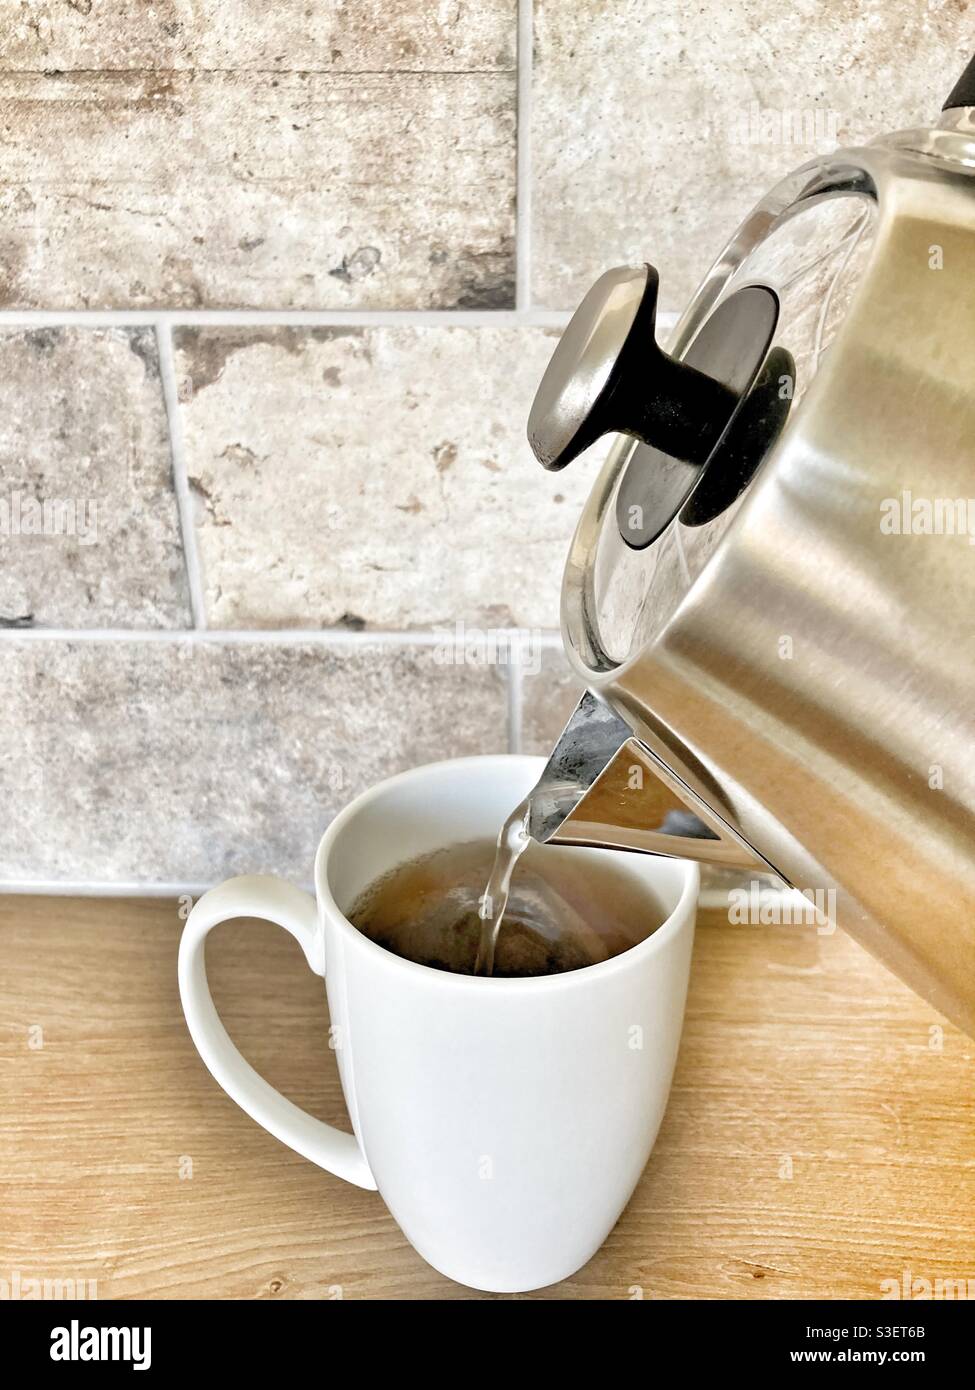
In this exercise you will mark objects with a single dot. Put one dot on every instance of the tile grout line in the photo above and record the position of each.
(284, 318)
(525, 44)
(296, 318)
(281, 637)
(515, 693)
(113, 73)
(181, 481)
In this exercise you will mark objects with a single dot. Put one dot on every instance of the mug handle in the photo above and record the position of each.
(273, 900)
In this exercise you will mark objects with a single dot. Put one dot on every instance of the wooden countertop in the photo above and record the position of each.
(820, 1136)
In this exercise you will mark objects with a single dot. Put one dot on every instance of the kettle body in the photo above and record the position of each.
(793, 661)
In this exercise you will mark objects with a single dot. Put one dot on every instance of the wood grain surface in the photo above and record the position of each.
(820, 1137)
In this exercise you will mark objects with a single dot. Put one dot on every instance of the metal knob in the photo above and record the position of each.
(609, 374)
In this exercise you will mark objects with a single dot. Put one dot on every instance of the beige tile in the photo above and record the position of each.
(366, 36)
(373, 477)
(643, 142)
(221, 189)
(182, 762)
(89, 529)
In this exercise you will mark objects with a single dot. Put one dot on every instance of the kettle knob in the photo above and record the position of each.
(609, 374)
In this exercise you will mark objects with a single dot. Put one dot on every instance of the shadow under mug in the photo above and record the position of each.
(505, 1122)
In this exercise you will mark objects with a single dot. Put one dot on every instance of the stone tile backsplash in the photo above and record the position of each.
(655, 128)
(180, 762)
(277, 190)
(83, 433)
(372, 477)
(271, 318)
(239, 35)
(549, 694)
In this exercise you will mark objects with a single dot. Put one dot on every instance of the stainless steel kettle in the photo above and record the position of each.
(771, 591)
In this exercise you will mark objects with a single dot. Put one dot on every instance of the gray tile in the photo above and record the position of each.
(180, 761)
(373, 477)
(89, 528)
(548, 697)
(222, 189)
(367, 36)
(644, 144)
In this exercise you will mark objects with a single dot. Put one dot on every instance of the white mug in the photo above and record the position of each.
(505, 1122)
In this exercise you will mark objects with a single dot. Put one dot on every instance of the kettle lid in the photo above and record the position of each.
(698, 422)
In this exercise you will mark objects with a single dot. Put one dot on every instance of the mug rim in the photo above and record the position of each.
(672, 924)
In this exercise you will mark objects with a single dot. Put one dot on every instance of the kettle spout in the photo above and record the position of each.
(604, 788)
(587, 743)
